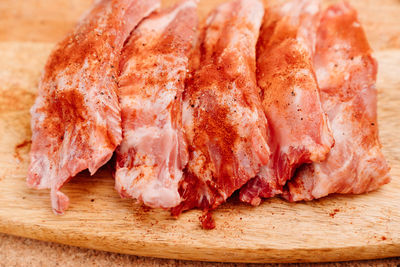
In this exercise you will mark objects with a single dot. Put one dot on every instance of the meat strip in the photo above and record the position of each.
(222, 114)
(154, 66)
(346, 73)
(298, 127)
(76, 120)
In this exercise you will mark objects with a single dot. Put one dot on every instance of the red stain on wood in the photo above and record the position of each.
(20, 146)
(332, 214)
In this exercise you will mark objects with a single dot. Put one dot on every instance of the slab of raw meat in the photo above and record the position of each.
(298, 127)
(346, 73)
(76, 120)
(154, 66)
(222, 113)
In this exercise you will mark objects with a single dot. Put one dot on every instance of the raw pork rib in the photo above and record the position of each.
(154, 65)
(346, 74)
(298, 127)
(222, 113)
(76, 117)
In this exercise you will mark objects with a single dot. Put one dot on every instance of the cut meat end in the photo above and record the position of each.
(222, 114)
(346, 73)
(76, 117)
(298, 127)
(154, 65)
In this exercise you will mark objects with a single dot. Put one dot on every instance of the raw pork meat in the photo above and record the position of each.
(222, 114)
(76, 120)
(346, 73)
(298, 127)
(154, 66)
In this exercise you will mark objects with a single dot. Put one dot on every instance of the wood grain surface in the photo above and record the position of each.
(19, 251)
(330, 229)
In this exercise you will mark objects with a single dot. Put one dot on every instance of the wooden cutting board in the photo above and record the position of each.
(331, 229)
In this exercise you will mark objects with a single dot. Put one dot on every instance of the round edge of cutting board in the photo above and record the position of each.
(212, 254)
